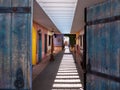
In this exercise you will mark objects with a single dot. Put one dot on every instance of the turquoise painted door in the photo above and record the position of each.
(40, 48)
(103, 46)
(15, 44)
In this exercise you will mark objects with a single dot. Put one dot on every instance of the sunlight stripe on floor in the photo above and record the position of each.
(67, 85)
(67, 77)
(67, 73)
(68, 80)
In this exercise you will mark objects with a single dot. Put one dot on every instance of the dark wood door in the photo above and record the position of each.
(45, 43)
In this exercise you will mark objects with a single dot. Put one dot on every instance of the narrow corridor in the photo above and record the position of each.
(59, 75)
(67, 77)
(60, 45)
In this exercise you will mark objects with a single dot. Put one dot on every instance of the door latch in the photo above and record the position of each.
(19, 82)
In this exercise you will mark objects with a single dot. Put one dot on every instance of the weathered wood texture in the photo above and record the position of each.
(103, 47)
(15, 44)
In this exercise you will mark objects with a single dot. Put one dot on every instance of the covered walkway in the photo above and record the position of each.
(62, 74)
(60, 45)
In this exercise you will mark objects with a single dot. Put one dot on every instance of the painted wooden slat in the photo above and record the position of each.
(20, 3)
(110, 8)
(5, 59)
(103, 47)
(5, 3)
(115, 7)
(15, 46)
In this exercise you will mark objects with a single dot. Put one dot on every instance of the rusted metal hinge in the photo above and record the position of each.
(15, 9)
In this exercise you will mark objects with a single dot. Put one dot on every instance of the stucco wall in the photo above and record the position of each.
(43, 31)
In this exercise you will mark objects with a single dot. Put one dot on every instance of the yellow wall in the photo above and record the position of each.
(34, 46)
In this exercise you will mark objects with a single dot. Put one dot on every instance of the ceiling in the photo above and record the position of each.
(61, 12)
(41, 18)
(46, 20)
(78, 22)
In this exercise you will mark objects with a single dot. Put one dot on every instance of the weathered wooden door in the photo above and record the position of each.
(15, 44)
(103, 46)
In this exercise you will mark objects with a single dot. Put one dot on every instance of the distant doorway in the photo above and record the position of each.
(66, 41)
(45, 44)
(39, 47)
